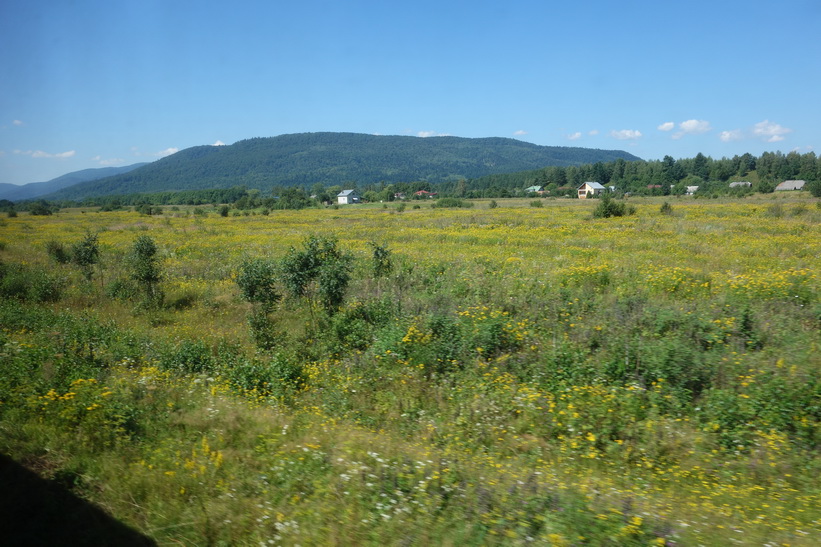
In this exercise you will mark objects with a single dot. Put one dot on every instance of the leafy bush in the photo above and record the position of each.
(451, 202)
(188, 356)
(607, 207)
(31, 284)
(536, 203)
(58, 252)
(257, 282)
(322, 263)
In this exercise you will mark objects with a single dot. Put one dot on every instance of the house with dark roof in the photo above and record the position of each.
(347, 197)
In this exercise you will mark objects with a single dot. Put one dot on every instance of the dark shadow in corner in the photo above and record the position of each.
(35, 511)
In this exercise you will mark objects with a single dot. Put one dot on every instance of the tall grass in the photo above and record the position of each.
(512, 375)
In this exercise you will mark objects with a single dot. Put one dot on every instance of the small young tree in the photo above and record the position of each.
(382, 263)
(257, 284)
(85, 254)
(145, 269)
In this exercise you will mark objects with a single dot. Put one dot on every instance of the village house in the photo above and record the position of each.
(425, 194)
(741, 184)
(346, 197)
(791, 185)
(534, 190)
(590, 189)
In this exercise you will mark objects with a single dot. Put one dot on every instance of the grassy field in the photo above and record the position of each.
(506, 375)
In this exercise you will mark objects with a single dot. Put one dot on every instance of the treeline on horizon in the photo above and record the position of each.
(658, 177)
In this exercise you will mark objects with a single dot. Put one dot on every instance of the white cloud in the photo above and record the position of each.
(692, 127)
(218, 143)
(575, 136)
(666, 126)
(770, 132)
(18, 123)
(41, 154)
(593, 133)
(167, 152)
(732, 135)
(111, 161)
(695, 127)
(520, 132)
(424, 134)
(626, 134)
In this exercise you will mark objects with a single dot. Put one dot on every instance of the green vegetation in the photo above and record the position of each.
(505, 376)
(335, 159)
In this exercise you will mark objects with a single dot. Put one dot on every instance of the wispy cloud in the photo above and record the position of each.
(108, 162)
(770, 132)
(593, 132)
(40, 154)
(218, 143)
(692, 127)
(431, 134)
(626, 134)
(18, 123)
(732, 135)
(520, 132)
(575, 136)
(167, 152)
(666, 126)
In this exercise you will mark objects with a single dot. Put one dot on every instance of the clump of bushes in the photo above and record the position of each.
(452, 203)
(607, 208)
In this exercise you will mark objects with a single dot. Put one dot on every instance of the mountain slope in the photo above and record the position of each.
(336, 158)
(15, 192)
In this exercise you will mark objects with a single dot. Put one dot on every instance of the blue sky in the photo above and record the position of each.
(96, 83)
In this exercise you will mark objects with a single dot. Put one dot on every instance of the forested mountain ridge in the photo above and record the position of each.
(305, 159)
(31, 190)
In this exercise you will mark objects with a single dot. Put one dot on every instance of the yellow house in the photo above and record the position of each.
(590, 189)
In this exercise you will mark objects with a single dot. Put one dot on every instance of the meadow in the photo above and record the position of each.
(489, 376)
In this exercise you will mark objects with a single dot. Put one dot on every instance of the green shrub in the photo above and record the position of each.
(451, 203)
(536, 203)
(58, 252)
(607, 207)
(30, 284)
(257, 282)
(189, 356)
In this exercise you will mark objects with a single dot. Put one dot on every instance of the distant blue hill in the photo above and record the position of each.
(304, 159)
(14, 192)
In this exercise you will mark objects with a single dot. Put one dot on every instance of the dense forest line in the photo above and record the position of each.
(667, 176)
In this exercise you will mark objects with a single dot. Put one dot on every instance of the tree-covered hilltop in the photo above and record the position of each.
(335, 159)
